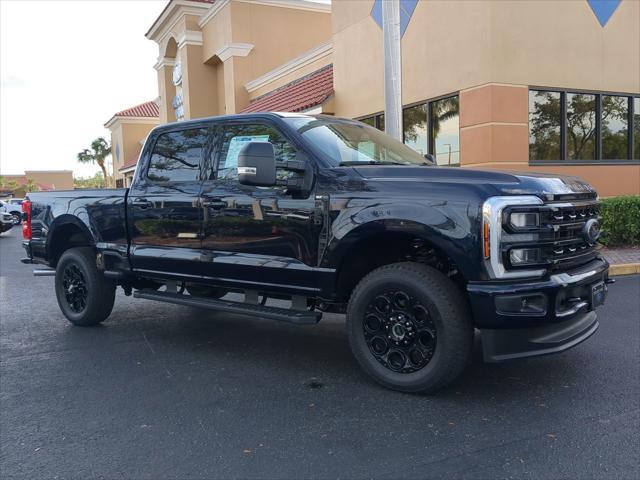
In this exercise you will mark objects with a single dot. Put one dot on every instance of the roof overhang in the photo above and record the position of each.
(117, 118)
(172, 13)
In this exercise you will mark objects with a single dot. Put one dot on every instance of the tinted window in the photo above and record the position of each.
(414, 128)
(544, 125)
(581, 126)
(176, 156)
(234, 137)
(636, 128)
(445, 128)
(615, 127)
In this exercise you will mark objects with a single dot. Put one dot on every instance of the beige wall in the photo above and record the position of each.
(128, 134)
(491, 52)
(457, 44)
(60, 179)
(213, 85)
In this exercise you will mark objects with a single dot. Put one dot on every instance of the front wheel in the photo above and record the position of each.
(84, 295)
(409, 327)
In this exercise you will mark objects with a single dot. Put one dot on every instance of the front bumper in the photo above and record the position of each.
(537, 317)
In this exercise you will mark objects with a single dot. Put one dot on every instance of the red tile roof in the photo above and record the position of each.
(129, 164)
(146, 109)
(302, 94)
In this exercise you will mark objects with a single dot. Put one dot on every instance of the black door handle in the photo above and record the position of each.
(141, 203)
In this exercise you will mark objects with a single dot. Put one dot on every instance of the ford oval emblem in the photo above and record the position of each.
(591, 231)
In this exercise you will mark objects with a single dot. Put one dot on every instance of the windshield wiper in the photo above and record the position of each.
(351, 163)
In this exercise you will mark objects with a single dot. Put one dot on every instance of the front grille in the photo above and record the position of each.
(561, 233)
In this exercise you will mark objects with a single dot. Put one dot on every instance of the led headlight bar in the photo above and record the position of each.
(492, 231)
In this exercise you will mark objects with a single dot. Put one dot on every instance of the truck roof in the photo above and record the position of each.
(235, 116)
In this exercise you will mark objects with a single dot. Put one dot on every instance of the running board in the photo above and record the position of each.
(274, 313)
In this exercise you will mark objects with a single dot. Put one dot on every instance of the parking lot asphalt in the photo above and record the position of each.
(160, 391)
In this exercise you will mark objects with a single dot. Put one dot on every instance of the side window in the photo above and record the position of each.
(234, 137)
(176, 156)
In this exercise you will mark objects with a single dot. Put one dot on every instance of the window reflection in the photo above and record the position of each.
(581, 126)
(414, 122)
(636, 128)
(544, 125)
(369, 121)
(176, 156)
(615, 127)
(237, 136)
(445, 131)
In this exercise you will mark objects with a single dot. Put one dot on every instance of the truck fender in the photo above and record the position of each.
(447, 226)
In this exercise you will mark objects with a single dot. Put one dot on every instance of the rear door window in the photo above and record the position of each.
(177, 156)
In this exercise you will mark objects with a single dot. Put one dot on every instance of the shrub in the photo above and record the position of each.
(621, 221)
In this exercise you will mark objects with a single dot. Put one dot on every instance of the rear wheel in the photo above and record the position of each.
(84, 295)
(409, 327)
(17, 218)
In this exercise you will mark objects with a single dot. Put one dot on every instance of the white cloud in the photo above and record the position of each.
(65, 68)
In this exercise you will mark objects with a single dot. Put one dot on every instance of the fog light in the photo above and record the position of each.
(534, 303)
(524, 256)
(524, 219)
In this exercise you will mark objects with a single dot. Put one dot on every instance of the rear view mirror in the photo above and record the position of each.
(257, 164)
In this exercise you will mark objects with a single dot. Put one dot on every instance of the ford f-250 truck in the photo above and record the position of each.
(332, 215)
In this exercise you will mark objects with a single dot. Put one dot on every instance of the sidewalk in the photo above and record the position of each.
(624, 261)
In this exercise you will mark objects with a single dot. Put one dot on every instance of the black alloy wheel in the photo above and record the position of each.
(84, 295)
(75, 288)
(410, 327)
(399, 331)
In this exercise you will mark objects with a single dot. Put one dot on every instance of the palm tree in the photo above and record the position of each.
(100, 150)
(13, 185)
(31, 185)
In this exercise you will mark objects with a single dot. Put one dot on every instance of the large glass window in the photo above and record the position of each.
(545, 120)
(636, 128)
(177, 156)
(414, 124)
(237, 136)
(445, 131)
(577, 126)
(615, 127)
(581, 126)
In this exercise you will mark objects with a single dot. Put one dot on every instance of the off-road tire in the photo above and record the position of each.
(100, 291)
(448, 311)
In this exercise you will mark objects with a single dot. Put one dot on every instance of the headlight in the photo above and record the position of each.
(493, 235)
(524, 256)
(524, 219)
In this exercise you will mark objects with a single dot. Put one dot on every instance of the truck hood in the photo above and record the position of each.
(548, 186)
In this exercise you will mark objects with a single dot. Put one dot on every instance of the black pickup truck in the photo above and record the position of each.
(332, 215)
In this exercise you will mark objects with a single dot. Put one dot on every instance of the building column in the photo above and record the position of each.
(166, 89)
(494, 129)
(199, 82)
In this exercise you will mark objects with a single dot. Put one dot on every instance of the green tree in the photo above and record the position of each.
(89, 182)
(13, 185)
(100, 150)
(31, 185)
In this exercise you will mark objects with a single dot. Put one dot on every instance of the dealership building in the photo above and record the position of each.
(550, 86)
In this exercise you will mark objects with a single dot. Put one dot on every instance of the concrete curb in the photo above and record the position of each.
(624, 269)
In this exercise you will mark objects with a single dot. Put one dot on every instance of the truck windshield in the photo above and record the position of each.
(343, 142)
